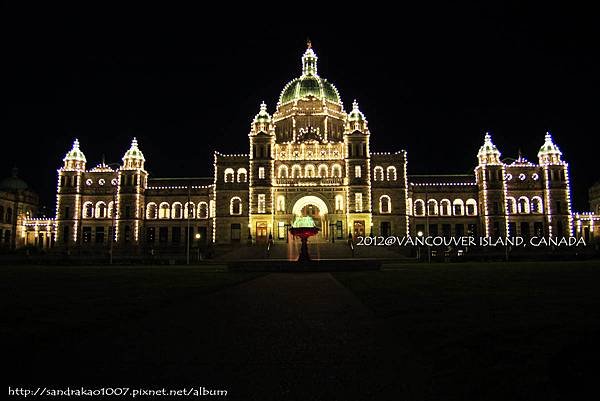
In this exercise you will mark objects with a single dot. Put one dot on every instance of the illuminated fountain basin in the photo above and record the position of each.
(304, 227)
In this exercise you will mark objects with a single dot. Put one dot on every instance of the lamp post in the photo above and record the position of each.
(419, 234)
(198, 236)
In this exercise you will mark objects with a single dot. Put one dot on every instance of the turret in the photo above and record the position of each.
(74, 159)
(490, 175)
(488, 152)
(356, 120)
(134, 158)
(133, 181)
(262, 121)
(549, 153)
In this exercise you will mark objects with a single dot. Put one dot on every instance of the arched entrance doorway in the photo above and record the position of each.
(316, 208)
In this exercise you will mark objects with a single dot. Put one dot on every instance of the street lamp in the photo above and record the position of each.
(198, 236)
(419, 234)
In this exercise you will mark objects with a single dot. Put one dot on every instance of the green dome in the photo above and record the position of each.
(310, 83)
(303, 87)
(13, 183)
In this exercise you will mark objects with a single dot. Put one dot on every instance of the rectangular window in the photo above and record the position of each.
(176, 235)
(496, 230)
(163, 235)
(99, 235)
(261, 203)
(538, 228)
(446, 230)
(433, 230)
(127, 212)
(459, 230)
(66, 235)
(281, 230)
(512, 228)
(358, 203)
(67, 212)
(558, 207)
(261, 173)
(339, 229)
(236, 232)
(357, 171)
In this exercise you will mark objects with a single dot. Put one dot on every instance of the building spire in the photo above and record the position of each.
(309, 60)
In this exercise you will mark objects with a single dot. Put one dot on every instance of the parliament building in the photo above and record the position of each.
(309, 157)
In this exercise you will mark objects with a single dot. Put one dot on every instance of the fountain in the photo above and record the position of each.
(304, 227)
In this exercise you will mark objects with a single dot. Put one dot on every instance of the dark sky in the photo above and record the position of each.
(187, 81)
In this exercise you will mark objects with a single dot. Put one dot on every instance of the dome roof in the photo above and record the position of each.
(309, 83)
(356, 114)
(134, 152)
(13, 182)
(75, 153)
(488, 148)
(263, 115)
(549, 147)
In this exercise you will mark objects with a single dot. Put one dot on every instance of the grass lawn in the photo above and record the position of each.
(493, 331)
(39, 304)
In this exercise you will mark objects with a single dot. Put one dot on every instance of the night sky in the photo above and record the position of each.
(186, 82)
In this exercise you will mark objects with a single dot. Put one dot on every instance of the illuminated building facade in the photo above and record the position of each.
(310, 157)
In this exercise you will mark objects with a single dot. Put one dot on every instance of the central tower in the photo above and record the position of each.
(309, 107)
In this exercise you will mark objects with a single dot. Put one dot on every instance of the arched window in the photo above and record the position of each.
(283, 171)
(203, 210)
(309, 170)
(281, 203)
(471, 206)
(110, 209)
(458, 207)
(391, 173)
(296, 171)
(536, 205)
(88, 210)
(229, 173)
(323, 170)
(176, 210)
(523, 205)
(242, 175)
(189, 210)
(378, 173)
(151, 210)
(432, 207)
(339, 203)
(164, 211)
(235, 206)
(385, 204)
(445, 207)
(101, 210)
(511, 205)
(336, 171)
(419, 207)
